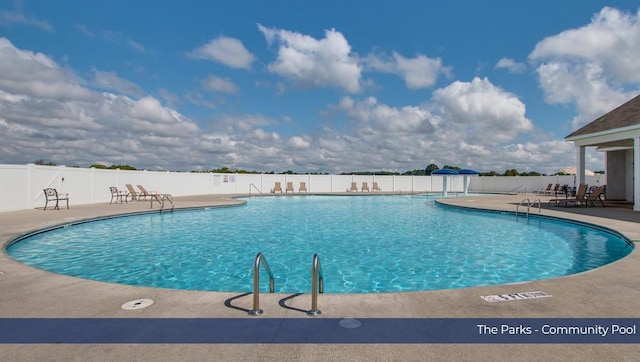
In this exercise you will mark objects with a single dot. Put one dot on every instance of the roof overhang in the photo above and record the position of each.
(607, 137)
(610, 149)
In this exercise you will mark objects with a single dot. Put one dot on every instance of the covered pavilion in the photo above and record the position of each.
(616, 133)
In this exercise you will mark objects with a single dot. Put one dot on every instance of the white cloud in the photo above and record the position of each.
(372, 120)
(111, 81)
(299, 142)
(135, 45)
(49, 114)
(113, 37)
(612, 40)
(583, 84)
(511, 65)
(595, 66)
(35, 74)
(469, 124)
(418, 72)
(480, 111)
(216, 84)
(310, 62)
(16, 17)
(225, 50)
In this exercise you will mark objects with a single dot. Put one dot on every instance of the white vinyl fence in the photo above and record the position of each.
(21, 185)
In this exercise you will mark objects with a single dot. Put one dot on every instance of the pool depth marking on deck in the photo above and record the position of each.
(515, 296)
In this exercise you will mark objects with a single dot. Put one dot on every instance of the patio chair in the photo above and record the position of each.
(354, 187)
(154, 195)
(289, 187)
(596, 194)
(546, 191)
(303, 187)
(577, 199)
(375, 187)
(277, 188)
(135, 195)
(144, 193)
(118, 195)
(51, 194)
(365, 187)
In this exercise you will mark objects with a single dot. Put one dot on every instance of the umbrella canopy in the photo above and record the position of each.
(468, 172)
(445, 171)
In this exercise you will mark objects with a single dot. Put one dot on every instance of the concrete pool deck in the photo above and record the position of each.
(610, 291)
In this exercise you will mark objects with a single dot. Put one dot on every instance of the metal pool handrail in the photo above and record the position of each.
(519, 186)
(255, 187)
(160, 198)
(539, 205)
(529, 203)
(317, 285)
(256, 283)
(520, 204)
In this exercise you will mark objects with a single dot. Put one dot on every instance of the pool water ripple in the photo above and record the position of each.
(366, 245)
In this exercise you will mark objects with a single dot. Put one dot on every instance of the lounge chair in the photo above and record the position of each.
(118, 195)
(135, 195)
(577, 199)
(51, 194)
(144, 193)
(375, 187)
(277, 188)
(546, 191)
(289, 187)
(596, 194)
(365, 187)
(354, 187)
(303, 187)
(153, 195)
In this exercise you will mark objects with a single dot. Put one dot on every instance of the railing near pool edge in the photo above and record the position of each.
(256, 311)
(317, 285)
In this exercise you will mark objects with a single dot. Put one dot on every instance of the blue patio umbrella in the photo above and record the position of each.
(444, 172)
(466, 173)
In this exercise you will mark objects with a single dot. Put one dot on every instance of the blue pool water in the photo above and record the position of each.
(366, 245)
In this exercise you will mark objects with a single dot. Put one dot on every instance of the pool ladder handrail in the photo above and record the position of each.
(513, 190)
(529, 203)
(256, 311)
(161, 198)
(255, 187)
(317, 285)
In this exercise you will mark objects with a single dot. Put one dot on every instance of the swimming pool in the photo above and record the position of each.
(366, 245)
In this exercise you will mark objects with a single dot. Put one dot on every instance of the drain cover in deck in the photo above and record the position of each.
(137, 304)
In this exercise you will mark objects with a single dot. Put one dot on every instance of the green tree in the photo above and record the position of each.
(221, 170)
(44, 163)
(490, 173)
(432, 167)
(122, 167)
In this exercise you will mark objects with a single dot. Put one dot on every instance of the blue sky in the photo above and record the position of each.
(329, 86)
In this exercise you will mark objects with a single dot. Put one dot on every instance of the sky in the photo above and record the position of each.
(319, 87)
